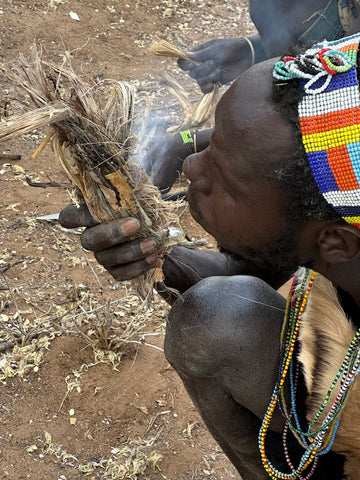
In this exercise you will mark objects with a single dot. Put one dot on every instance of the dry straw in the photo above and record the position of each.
(166, 49)
(90, 128)
(201, 111)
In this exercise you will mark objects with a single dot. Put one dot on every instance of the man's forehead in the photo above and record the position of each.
(251, 119)
(250, 96)
(256, 80)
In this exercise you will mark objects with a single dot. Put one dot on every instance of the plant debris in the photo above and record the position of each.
(129, 461)
(203, 109)
(91, 134)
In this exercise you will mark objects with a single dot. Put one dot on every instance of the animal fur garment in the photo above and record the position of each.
(325, 336)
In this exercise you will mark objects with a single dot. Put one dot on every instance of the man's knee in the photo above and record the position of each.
(208, 326)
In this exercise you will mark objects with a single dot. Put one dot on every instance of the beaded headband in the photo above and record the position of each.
(329, 115)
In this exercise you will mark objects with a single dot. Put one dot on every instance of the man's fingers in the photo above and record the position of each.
(185, 64)
(126, 253)
(202, 52)
(134, 269)
(207, 88)
(207, 82)
(123, 258)
(202, 69)
(73, 217)
(106, 235)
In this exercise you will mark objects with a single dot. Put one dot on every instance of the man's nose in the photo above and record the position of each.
(195, 170)
(193, 166)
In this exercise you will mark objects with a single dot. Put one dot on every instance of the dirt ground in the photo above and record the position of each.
(81, 397)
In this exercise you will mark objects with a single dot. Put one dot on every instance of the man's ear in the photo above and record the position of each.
(339, 242)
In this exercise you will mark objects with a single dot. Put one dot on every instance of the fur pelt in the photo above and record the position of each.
(325, 336)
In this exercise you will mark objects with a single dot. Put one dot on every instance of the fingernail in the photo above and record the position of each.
(151, 259)
(148, 245)
(130, 226)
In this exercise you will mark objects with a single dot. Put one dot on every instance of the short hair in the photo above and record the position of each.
(305, 202)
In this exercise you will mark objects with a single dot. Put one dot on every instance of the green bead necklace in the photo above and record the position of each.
(315, 441)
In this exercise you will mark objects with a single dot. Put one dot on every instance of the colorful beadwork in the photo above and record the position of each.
(288, 339)
(329, 114)
(316, 440)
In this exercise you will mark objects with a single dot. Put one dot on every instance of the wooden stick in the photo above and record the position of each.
(42, 145)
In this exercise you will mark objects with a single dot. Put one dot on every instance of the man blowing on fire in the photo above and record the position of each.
(278, 187)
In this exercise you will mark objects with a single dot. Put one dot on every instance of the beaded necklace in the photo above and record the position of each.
(316, 441)
(289, 333)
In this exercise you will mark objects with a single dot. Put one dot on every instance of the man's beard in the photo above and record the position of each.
(278, 257)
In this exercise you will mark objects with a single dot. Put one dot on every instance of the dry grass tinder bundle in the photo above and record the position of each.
(202, 110)
(90, 127)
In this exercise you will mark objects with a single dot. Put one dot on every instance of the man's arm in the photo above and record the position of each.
(184, 267)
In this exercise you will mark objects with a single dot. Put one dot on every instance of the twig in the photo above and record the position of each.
(46, 184)
(143, 343)
(88, 312)
(5, 268)
(8, 156)
(94, 273)
(38, 308)
(7, 345)
(153, 419)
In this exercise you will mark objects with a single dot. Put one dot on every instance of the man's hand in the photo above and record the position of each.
(218, 61)
(111, 243)
(163, 161)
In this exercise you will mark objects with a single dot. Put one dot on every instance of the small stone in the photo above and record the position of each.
(74, 16)
(167, 12)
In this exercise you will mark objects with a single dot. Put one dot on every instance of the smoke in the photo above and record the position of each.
(150, 132)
